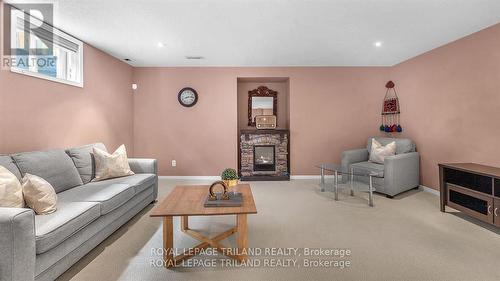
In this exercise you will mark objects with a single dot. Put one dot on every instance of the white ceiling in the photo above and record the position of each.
(272, 32)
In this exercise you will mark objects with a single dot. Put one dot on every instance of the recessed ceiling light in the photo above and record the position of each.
(378, 44)
(160, 45)
(194, 57)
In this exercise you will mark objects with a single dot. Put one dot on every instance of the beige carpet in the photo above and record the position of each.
(405, 238)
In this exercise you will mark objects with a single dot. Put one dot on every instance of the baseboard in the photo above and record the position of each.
(296, 177)
(309, 177)
(293, 177)
(190, 177)
(429, 190)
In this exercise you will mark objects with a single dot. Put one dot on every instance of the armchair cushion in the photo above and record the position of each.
(369, 167)
(354, 156)
(402, 145)
(379, 151)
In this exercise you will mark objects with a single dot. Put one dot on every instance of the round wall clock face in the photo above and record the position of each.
(187, 97)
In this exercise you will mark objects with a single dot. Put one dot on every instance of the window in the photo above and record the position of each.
(39, 50)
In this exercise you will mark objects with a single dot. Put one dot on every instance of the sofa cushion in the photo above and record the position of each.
(402, 145)
(8, 163)
(84, 160)
(70, 217)
(11, 191)
(139, 181)
(369, 167)
(109, 195)
(54, 166)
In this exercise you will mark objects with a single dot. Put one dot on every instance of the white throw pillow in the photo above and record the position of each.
(109, 166)
(379, 152)
(39, 195)
(11, 192)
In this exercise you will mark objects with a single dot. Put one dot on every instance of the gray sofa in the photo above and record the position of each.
(400, 172)
(42, 247)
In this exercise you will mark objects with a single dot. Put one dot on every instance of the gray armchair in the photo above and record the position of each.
(400, 172)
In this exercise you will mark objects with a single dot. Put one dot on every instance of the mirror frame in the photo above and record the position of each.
(262, 91)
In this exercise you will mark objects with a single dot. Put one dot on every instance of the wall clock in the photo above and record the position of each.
(187, 97)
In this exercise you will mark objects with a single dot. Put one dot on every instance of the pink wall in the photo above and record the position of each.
(451, 102)
(40, 114)
(331, 109)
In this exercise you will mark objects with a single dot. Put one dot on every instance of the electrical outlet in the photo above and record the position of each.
(174, 163)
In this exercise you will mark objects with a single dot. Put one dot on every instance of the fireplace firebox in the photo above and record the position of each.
(264, 158)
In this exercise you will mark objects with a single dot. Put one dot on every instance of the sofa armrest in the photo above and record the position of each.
(401, 172)
(143, 166)
(17, 244)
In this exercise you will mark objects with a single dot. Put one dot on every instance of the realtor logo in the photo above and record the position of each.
(28, 38)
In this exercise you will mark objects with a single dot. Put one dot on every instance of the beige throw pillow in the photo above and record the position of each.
(11, 192)
(39, 195)
(109, 166)
(379, 152)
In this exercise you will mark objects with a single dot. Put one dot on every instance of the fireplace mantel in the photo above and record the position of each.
(251, 138)
(270, 131)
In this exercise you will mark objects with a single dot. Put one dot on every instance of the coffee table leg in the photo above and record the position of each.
(322, 182)
(184, 223)
(242, 240)
(168, 241)
(352, 181)
(370, 195)
(336, 186)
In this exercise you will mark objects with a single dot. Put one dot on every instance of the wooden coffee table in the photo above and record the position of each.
(188, 200)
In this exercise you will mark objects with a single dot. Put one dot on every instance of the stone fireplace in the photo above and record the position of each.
(264, 155)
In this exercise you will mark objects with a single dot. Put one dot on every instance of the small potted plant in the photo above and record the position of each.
(230, 177)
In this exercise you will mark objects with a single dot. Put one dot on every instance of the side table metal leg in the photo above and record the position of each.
(322, 182)
(352, 182)
(336, 186)
(370, 195)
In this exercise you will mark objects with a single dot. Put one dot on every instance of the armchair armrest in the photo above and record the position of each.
(143, 166)
(353, 156)
(401, 172)
(17, 244)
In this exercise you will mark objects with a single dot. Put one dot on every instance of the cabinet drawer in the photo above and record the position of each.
(471, 181)
(496, 188)
(471, 203)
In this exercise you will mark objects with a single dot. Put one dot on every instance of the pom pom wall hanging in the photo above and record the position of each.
(390, 111)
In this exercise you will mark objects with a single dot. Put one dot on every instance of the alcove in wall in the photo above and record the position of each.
(278, 84)
(264, 154)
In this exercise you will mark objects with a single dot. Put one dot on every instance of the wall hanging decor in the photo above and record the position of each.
(390, 110)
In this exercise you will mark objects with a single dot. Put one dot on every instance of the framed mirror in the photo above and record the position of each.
(261, 101)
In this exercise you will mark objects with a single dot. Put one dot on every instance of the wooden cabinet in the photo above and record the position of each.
(496, 211)
(472, 189)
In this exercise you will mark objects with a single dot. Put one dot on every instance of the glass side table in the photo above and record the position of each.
(338, 170)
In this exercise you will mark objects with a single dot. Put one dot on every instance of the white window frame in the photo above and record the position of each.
(46, 77)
